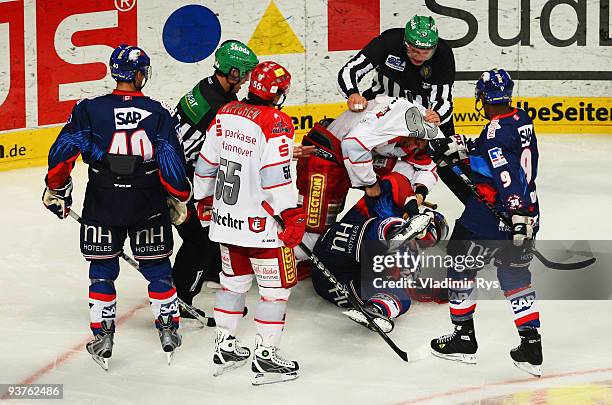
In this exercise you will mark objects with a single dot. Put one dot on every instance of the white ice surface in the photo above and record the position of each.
(44, 317)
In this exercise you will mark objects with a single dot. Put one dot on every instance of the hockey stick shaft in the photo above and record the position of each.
(459, 170)
(209, 320)
(354, 301)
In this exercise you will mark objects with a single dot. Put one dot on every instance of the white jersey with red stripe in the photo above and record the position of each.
(244, 162)
(375, 132)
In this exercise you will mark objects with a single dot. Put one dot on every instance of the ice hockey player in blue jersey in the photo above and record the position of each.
(502, 162)
(137, 186)
(371, 228)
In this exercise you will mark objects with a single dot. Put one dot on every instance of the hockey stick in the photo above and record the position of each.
(204, 320)
(459, 170)
(350, 295)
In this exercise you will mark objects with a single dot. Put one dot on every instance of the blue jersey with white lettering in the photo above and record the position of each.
(504, 166)
(121, 123)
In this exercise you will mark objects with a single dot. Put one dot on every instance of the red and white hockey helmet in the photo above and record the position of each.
(269, 79)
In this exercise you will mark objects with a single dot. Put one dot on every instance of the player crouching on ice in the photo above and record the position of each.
(245, 164)
(346, 249)
(502, 162)
(137, 186)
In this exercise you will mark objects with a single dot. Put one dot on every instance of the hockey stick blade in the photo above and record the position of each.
(354, 301)
(209, 321)
(563, 266)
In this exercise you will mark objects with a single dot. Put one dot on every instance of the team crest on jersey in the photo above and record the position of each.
(257, 224)
(395, 62)
(497, 157)
(425, 71)
(129, 117)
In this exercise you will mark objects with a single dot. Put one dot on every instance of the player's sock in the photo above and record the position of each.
(229, 354)
(102, 304)
(228, 310)
(162, 296)
(270, 320)
(460, 345)
(528, 355)
(524, 307)
(269, 367)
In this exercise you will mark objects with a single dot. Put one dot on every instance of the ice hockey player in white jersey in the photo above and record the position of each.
(355, 150)
(245, 163)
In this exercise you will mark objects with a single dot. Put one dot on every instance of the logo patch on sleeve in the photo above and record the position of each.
(395, 62)
(497, 157)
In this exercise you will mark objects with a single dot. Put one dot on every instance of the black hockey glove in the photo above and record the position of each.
(453, 149)
(59, 201)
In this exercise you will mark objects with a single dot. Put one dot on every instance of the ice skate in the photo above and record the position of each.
(228, 353)
(382, 321)
(528, 355)
(169, 337)
(268, 367)
(460, 345)
(101, 347)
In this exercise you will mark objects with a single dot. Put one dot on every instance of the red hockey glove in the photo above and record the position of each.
(295, 226)
(204, 208)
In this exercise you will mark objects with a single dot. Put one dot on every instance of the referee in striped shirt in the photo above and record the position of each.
(413, 63)
(199, 259)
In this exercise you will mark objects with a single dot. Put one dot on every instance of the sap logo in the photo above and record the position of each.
(109, 311)
(523, 303)
(526, 132)
(169, 308)
(129, 117)
(395, 62)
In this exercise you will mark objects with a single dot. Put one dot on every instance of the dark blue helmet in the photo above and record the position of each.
(496, 87)
(126, 60)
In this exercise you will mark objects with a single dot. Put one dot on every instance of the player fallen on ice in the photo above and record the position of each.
(348, 247)
(137, 186)
(502, 162)
(357, 148)
(245, 165)
(198, 259)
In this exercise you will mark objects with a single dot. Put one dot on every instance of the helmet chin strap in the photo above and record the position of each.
(481, 109)
(279, 105)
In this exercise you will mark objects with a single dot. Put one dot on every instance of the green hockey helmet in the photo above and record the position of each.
(234, 59)
(421, 32)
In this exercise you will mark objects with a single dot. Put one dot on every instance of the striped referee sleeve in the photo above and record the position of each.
(351, 73)
(441, 100)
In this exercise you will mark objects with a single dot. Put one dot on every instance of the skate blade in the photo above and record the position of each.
(169, 356)
(271, 378)
(102, 362)
(360, 318)
(532, 369)
(460, 357)
(230, 365)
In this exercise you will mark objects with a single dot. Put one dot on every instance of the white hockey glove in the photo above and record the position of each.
(59, 201)
(178, 210)
(453, 149)
(522, 229)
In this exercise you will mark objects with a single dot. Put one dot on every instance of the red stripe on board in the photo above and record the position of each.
(351, 24)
